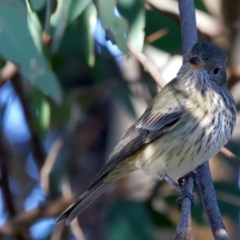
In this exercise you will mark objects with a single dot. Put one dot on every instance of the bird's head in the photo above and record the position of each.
(208, 57)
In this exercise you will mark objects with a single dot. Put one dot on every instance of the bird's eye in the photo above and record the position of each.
(216, 70)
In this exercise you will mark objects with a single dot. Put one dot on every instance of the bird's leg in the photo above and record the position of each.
(191, 174)
(185, 192)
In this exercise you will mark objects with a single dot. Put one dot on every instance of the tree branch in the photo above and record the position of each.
(36, 145)
(189, 38)
(186, 208)
(208, 26)
(209, 201)
(148, 66)
(49, 163)
(6, 192)
(26, 219)
(188, 25)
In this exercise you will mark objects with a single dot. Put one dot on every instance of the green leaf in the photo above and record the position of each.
(134, 12)
(89, 17)
(110, 22)
(67, 12)
(35, 28)
(37, 5)
(129, 221)
(78, 38)
(76, 8)
(17, 46)
(72, 9)
(42, 110)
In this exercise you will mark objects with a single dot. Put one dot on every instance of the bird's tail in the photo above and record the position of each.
(105, 179)
(82, 202)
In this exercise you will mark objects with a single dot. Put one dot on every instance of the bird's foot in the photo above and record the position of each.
(191, 174)
(185, 192)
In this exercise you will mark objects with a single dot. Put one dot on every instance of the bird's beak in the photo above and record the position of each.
(195, 63)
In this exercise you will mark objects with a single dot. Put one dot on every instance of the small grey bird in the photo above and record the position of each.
(188, 122)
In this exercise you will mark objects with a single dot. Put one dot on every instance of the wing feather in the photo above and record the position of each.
(143, 132)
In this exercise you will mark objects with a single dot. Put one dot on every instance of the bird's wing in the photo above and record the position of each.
(147, 129)
(152, 125)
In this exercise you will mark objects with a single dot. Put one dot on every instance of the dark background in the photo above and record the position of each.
(69, 97)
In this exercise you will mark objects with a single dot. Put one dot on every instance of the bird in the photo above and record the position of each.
(187, 122)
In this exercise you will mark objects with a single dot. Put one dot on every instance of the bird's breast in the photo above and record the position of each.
(206, 126)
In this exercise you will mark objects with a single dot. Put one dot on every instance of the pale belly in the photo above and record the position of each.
(175, 155)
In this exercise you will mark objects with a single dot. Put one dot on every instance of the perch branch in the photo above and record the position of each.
(186, 208)
(189, 38)
(209, 201)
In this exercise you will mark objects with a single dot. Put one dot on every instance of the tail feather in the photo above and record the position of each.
(82, 202)
(103, 181)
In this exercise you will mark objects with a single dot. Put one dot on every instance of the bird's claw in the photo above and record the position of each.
(190, 174)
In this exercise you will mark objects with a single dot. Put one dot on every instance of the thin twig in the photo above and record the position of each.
(186, 209)
(148, 65)
(77, 230)
(227, 153)
(26, 219)
(48, 164)
(8, 72)
(75, 226)
(37, 148)
(156, 35)
(209, 201)
(4, 183)
(58, 232)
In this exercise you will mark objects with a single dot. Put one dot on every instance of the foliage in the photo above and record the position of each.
(69, 55)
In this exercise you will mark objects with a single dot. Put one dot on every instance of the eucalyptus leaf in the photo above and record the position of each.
(42, 110)
(66, 13)
(89, 20)
(37, 5)
(17, 46)
(134, 12)
(35, 28)
(116, 25)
